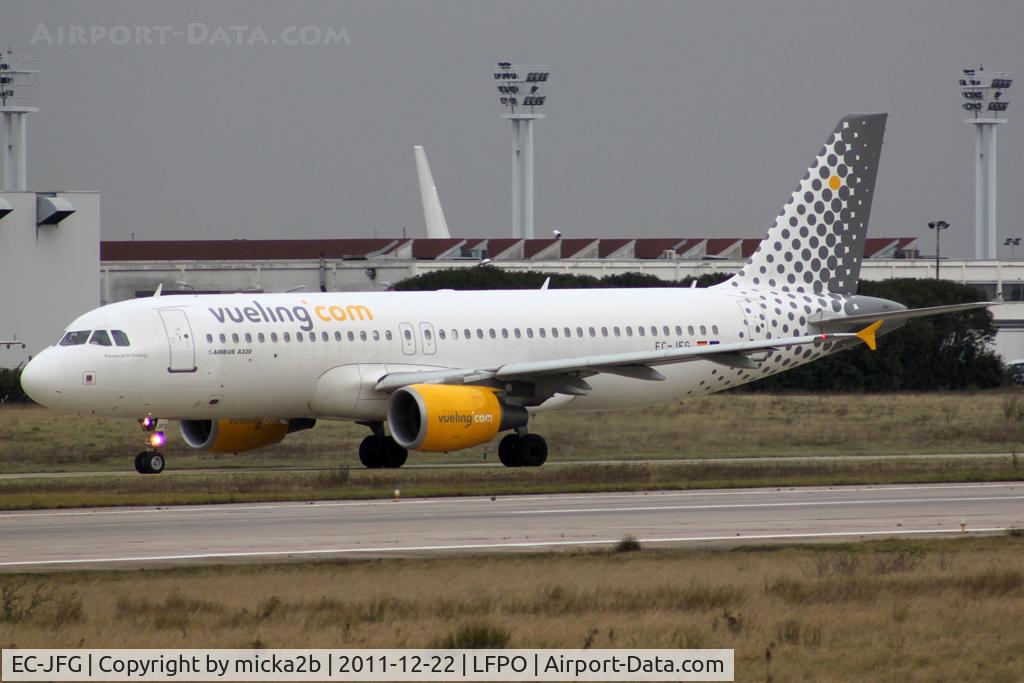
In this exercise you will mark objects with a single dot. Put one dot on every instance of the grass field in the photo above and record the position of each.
(34, 439)
(927, 610)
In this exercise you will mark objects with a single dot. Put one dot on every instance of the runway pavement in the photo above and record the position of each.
(130, 536)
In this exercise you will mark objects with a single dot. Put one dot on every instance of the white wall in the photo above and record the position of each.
(49, 274)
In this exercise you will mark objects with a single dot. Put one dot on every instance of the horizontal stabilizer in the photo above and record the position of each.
(903, 314)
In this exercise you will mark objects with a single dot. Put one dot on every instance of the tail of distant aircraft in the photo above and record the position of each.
(433, 214)
(817, 242)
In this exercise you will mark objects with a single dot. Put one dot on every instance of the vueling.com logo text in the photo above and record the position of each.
(465, 419)
(290, 314)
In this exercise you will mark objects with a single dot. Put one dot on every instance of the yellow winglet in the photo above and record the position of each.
(867, 335)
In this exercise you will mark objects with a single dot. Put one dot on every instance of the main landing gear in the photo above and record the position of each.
(379, 451)
(527, 450)
(151, 461)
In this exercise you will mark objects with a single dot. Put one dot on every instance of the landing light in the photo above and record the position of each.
(157, 439)
(148, 423)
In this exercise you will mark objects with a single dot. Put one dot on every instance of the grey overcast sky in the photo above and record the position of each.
(664, 118)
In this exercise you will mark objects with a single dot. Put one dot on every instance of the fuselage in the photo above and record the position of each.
(319, 355)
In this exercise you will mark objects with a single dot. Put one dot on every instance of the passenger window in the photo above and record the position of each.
(554, 332)
(654, 330)
(664, 330)
(504, 333)
(492, 333)
(640, 330)
(75, 338)
(312, 337)
(579, 331)
(260, 338)
(629, 331)
(100, 338)
(376, 336)
(455, 333)
(362, 335)
(407, 334)
(542, 332)
(387, 334)
(440, 333)
(616, 331)
(223, 338)
(479, 333)
(689, 329)
(326, 337)
(529, 332)
(518, 334)
(592, 331)
(121, 339)
(298, 336)
(427, 335)
(703, 330)
(604, 331)
(351, 336)
(679, 330)
(337, 336)
(714, 329)
(248, 338)
(466, 334)
(286, 337)
(273, 337)
(209, 339)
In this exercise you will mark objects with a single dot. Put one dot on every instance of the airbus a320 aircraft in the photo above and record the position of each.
(450, 370)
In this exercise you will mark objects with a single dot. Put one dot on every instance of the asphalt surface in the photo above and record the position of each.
(258, 532)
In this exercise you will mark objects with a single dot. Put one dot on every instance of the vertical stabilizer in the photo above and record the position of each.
(817, 242)
(433, 214)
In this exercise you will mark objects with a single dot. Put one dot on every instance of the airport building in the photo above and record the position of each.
(49, 267)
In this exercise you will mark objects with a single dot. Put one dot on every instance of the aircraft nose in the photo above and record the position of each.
(43, 379)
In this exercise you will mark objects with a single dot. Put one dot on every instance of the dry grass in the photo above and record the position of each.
(935, 610)
(222, 487)
(35, 439)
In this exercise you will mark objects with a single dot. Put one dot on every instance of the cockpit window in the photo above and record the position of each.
(100, 338)
(120, 338)
(76, 338)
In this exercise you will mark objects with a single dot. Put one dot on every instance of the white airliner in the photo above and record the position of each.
(450, 370)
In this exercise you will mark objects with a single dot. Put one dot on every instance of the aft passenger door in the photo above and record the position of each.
(408, 338)
(429, 346)
(179, 340)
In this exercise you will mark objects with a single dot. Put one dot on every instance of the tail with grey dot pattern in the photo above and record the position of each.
(817, 242)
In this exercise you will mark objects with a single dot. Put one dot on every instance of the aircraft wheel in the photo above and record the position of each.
(394, 455)
(531, 450)
(371, 452)
(138, 462)
(507, 452)
(151, 462)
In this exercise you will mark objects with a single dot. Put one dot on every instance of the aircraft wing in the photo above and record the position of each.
(636, 364)
(897, 315)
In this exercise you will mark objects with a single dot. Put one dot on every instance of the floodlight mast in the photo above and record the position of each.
(984, 94)
(521, 95)
(17, 98)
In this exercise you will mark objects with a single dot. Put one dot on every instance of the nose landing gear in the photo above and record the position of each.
(151, 461)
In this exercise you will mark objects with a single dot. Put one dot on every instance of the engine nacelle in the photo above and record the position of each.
(439, 417)
(236, 435)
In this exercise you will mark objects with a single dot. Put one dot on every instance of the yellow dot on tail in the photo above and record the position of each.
(834, 182)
